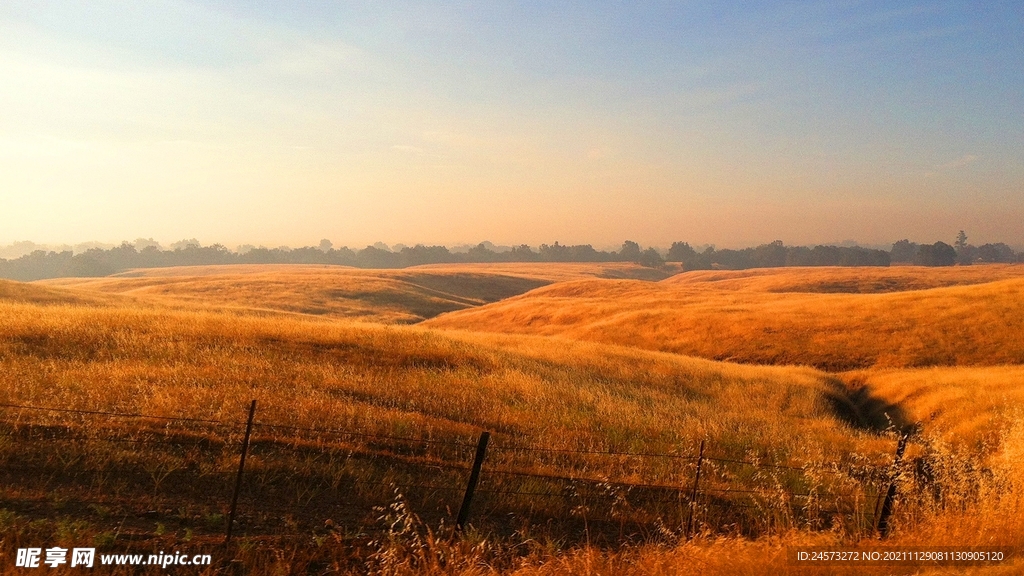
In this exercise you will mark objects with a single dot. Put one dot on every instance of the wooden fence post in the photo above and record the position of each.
(693, 495)
(241, 469)
(890, 496)
(474, 477)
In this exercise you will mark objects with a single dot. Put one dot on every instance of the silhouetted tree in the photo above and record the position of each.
(733, 259)
(961, 241)
(904, 251)
(522, 253)
(650, 258)
(769, 255)
(938, 254)
(481, 253)
(683, 253)
(996, 253)
(630, 251)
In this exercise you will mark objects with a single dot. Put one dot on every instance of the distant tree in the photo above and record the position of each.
(996, 253)
(143, 243)
(481, 253)
(587, 253)
(185, 244)
(630, 251)
(769, 255)
(904, 251)
(967, 255)
(733, 259)
(650, 258)
(420, 254)
(326, 245)
(961, 241)
(826, 256)
(964, 253)
(553, 253)
(89, 265)
(938, 254)
(799, 256)
(374, 257)
(680, 252)
(522, 253)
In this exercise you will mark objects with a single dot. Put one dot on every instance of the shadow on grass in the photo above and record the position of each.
(853, 403)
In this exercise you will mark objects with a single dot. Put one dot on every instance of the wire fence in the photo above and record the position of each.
(211, 476)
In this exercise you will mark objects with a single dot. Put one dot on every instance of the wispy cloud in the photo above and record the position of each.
(965, 160)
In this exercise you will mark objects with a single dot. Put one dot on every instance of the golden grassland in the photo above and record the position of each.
(11, 291)
(948, 326)
(577, 378)
(394, 296)
(854, 280)
(962, 404)
(395, 380)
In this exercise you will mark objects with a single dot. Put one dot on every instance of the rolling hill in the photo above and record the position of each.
(401, 296)
(783, 316)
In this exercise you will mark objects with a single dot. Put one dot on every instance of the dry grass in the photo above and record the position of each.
(959, 325)
(851, 280)
(89, 350)
(963, 405)
(208, 365)
(21, 292)
(398, 381)
(391, 296)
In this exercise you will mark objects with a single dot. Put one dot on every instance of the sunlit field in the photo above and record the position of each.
(782, 316)
(576, 379)
(392, 296)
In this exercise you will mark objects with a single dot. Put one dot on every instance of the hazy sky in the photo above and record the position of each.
(732, 123)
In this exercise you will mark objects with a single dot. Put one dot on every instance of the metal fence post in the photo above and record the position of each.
(890, 496)
(693, 495)
(474, 477)
(241, 469)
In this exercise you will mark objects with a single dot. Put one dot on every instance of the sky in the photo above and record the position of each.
(726, 123)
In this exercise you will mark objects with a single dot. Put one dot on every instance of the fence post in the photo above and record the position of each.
(890, 495)
(241, 469)
(474, 477)
(693, 495)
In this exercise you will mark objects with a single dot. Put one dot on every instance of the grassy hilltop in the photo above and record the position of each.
(835, 319)
(400, 296)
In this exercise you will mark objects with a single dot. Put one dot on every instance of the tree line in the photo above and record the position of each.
(41, 264)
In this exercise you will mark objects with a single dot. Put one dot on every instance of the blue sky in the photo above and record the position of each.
(713, 122)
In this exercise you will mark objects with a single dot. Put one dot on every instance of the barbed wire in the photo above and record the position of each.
(593, 452)
(754, 464)
(585, 489)
(116, 414)
(339, 432)
(165, 442)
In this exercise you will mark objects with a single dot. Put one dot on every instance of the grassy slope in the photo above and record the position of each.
(964, 405)
(851, 280)
(756, 318)
(11, 291)
(394, 296)
(578, 395)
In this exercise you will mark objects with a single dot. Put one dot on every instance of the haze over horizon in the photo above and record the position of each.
(719, 123)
